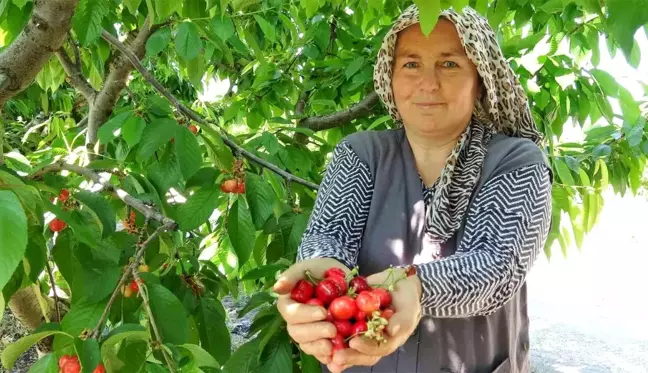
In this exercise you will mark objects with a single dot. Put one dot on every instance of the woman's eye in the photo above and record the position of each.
(450, 64)
(411, 65)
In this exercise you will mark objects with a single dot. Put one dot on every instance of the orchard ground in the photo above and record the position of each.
(586, 310)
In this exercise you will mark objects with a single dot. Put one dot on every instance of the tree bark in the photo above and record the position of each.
(42, 36)
(104, 101)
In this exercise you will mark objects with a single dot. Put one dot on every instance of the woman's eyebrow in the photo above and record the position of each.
(448, 53)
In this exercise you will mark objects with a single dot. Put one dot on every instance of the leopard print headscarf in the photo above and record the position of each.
(503, 109)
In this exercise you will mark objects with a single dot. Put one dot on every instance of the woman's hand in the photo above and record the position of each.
(306, 325)
(406, 299)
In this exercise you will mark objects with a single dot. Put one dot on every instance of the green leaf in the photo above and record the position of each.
(81, 316)
(379, 121)
(223, 27)
(257, 300)
(564, 172)
(101, 207)
(630, 107)
(635, 134)
(132, 5)
(46, 364)
(164, 8)
(13, 235)
(187, 41)
(310, 364)
(106, 132)
(36, 252)
(205, 177)
(624, 19)
(88, 18)
(188, 150)
(126, 332)
(158, 41)
(132, 130)
(198, 208)
(13, 351)
(429, 14)
(607, 82)
(2, 306)
(156, 134)
(169, 314)
(245, 359)
(264, 271)
(354, 67)
(214, 335)
(88, 353)
(311, 7)
(644, 147)
(260, 197)
(268, 29)
(202, 357)
(240, 229)
(277, 357)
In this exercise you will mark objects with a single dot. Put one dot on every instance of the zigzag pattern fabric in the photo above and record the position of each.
(505, 230)
(338, 219)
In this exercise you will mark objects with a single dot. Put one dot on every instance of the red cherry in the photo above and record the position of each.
(359, 327)
(134, 287)
(334, 272)
(64, 195)
(99, 369)
(240, 187)
(343, 327)
(387, 313)
(328, 290)
(57, 225)
(72, 366)
(368, 302)
(193, 129)
(343, 308)
(360, 316)
(229, 186)
(315, 301)
(384, 295)
(340, 281)
(360, 284)
(339, 343)
(302, 292)
(66, 359)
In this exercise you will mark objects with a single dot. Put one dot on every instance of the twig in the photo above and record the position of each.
(147, 307)
(56, 298)
(129, 270)
(75, 75)
(195, 117)
(338, 119)
(121, 194)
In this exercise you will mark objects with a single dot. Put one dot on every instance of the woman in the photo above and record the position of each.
(462, 191)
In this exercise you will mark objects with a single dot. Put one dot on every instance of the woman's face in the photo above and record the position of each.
(434, 82)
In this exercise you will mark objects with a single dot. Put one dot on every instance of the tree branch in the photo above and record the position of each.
(135, 203)
(42, 36)
(197, 118)
(76, 78)
(105, 100)
(56, 298)
(341, 118)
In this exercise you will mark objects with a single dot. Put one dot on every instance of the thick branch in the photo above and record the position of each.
(43, 35)
(341, 118)
(76, 78)
(135, 203)
(115, 82)
(197, 118)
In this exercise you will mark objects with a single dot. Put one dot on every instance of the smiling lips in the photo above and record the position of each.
(428, 105)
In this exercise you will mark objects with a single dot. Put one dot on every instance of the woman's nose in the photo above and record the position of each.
(430, 80)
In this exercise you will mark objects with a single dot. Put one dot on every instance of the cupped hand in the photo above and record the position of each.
(406, 300)
(306, 323)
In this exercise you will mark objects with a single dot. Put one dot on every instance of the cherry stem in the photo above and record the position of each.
(311, 278)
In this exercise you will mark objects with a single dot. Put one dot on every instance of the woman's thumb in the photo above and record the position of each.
(288, 279)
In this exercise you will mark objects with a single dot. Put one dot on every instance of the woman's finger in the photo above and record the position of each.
(349, 356)
(299, 313)
(287, 280)
(303, 333)
(401, 325)
(320, 349)
(370, 347)
(337, 368)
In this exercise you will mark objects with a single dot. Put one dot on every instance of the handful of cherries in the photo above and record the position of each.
(354, 307)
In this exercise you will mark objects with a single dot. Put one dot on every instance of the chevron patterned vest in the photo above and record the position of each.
(496, 343)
